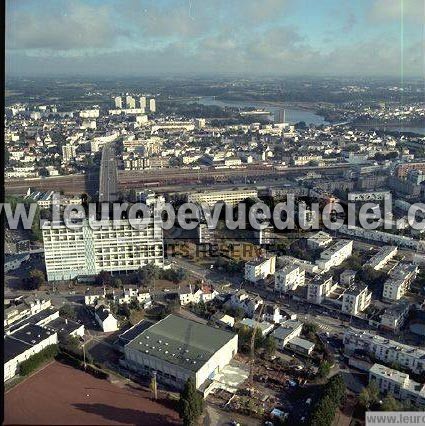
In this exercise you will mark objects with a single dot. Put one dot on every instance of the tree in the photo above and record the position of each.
(148, 274)
(324, 369)
(117, 282)
(310, 327)
(104, 278)
(390, 404)
(270, 345)
(68, 311)
(332, 396)
(35, 280)
(190, 404)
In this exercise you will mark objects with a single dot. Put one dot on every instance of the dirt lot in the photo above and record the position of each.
(60, 394)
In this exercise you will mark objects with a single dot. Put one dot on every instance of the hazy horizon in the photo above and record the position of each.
(271, 38)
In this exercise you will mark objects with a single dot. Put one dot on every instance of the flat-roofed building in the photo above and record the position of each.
(301, 346)
(264, 326)
(319, 240)
(177, 348)
(289, 278)
(382, 349)
(397, 384)
(319, 288)
(259, 269)
(380, 259)
(87, 250)
(23, 344)
(395, 316)
(356, 299)
(399, 281)
(335, 255)
(287, 331)
(231, 197)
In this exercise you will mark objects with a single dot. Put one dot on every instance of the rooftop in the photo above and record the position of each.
(12, 348)
(181, 341)
(31, 334)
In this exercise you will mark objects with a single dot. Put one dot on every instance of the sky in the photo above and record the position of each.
(212, 37)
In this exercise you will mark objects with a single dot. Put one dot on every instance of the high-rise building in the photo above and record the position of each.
(130, 102)
(143, 102)
(68, 153)
(152, 105)
(118, 102)
(106, 246)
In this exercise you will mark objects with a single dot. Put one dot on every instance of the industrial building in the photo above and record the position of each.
(176, 348)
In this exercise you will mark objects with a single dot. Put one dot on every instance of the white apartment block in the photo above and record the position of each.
(89, 113)
(260, 269)
(118, 102)
(68, 153)
(397, 384)
(356, 299)
(347, 277)
(304, 265)
(399, 281)
(249, 303)
(86, 251)
(152, 105)
(130, 102)
(230, 197)
(319, 288)
(395, 316)
(380, 259)
(335, 255)
(385, 350)
(289, 278)
(385, 237)
(319, 240)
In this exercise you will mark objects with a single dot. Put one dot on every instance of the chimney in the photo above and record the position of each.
(66, 320)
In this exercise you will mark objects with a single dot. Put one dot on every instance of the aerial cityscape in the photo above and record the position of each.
(214, 212)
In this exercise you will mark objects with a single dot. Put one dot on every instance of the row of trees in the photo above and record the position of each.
(145, 276)
(268, 343)
(370, 400)
(332, 396)
(34, 280)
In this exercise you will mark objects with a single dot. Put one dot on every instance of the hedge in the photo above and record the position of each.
(32, 363)
(69, 359)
